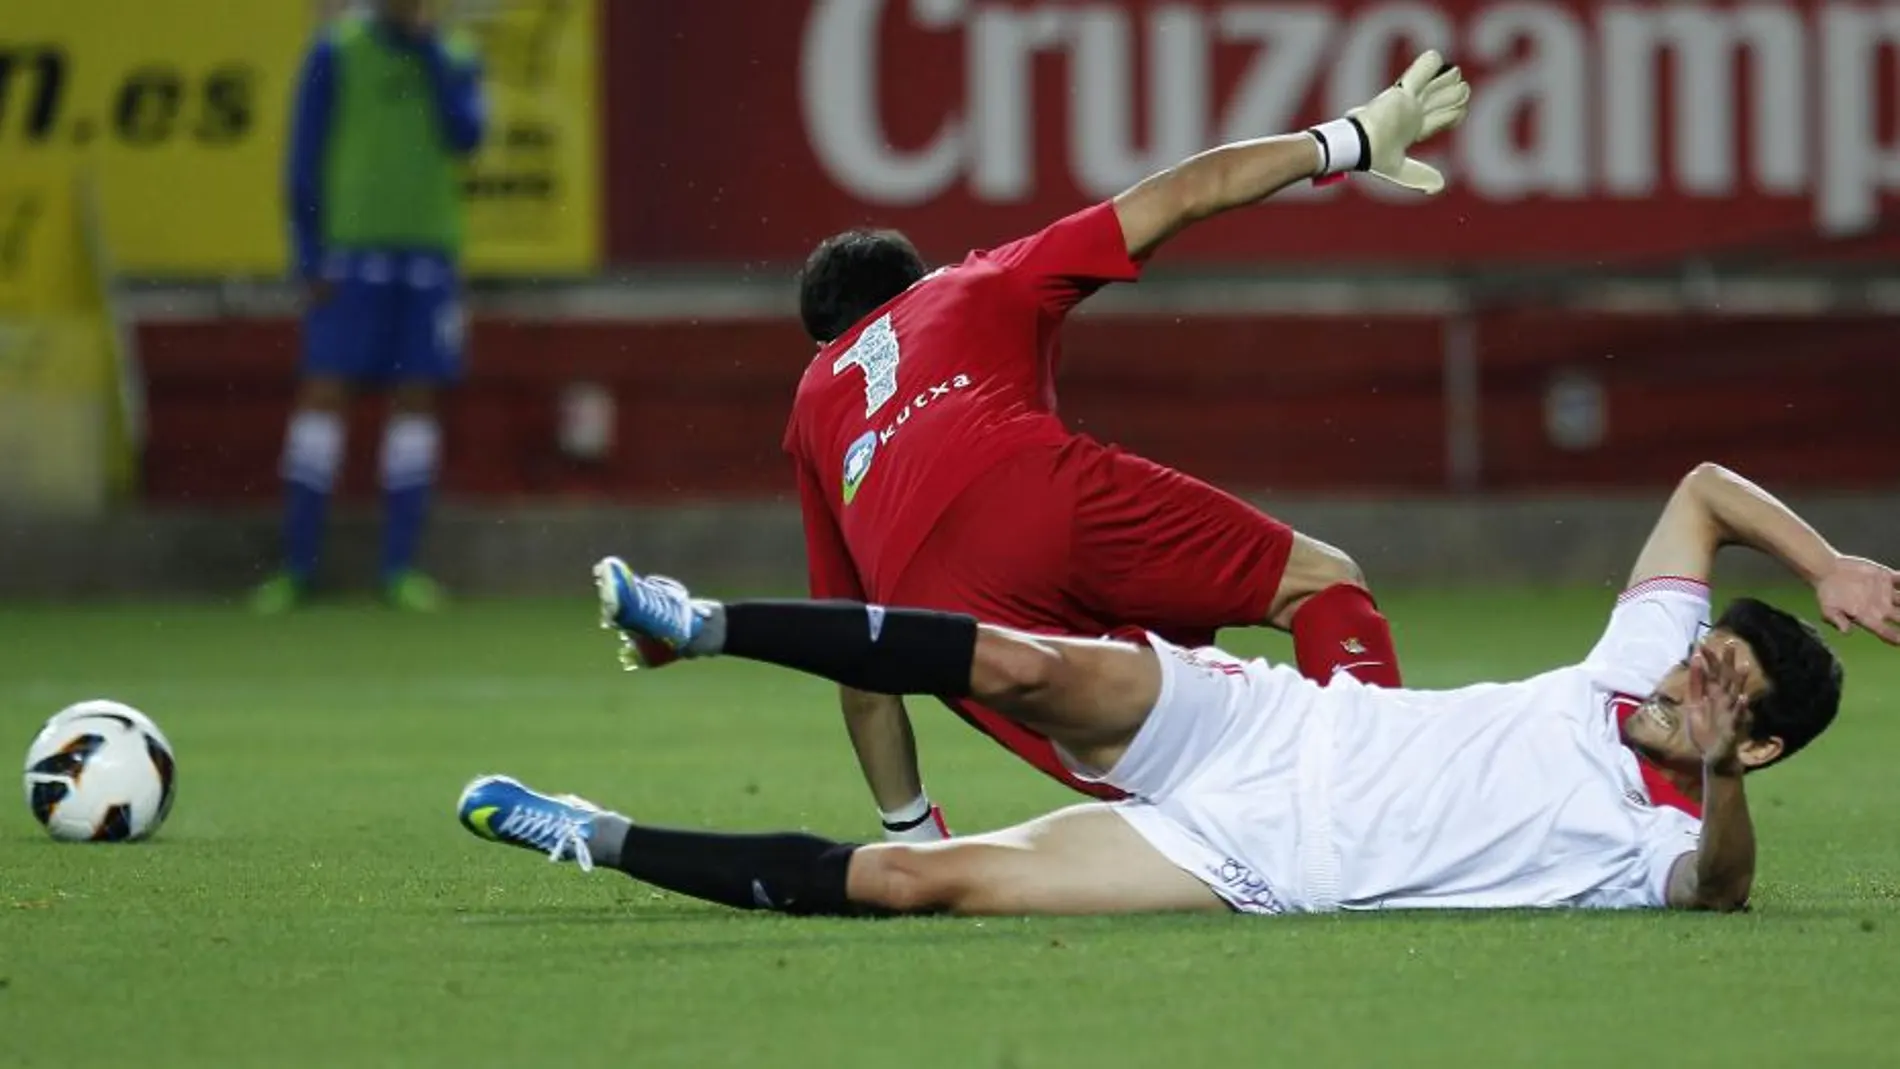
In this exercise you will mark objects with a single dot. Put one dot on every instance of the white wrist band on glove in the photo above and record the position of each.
(1342, 147)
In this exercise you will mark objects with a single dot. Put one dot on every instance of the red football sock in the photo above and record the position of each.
(1338, 630)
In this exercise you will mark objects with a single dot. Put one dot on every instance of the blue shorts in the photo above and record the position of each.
(390, 318)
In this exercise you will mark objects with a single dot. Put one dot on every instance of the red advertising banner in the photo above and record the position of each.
(1564, 401)
(742, 130)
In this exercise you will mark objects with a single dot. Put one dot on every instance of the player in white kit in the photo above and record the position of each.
(1259, 791)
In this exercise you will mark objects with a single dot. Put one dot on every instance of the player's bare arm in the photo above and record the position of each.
(878, 724)
(1714, 507)
(1212, 182)
(1429, 98)
(1719, 873)
(881, 736)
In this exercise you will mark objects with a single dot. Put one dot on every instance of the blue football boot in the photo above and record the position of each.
(656, 616)
(502, 810)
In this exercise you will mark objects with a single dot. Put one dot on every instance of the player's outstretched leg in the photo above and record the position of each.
(1081, 860)
(1088, 696)
(884, 651)
(790, 873)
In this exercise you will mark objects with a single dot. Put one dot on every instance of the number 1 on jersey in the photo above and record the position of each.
(876, 354)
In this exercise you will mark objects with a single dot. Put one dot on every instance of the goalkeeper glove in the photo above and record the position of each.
(918, 822)
(1429, 98)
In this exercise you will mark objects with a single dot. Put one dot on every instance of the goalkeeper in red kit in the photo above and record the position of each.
(934, 472)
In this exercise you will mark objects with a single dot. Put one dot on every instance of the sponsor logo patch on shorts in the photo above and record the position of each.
(857, 463)
(1246, 889)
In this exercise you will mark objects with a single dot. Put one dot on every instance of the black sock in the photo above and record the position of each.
(869, 647)
(789, 872)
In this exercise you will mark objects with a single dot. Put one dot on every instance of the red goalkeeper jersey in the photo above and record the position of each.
(899, 414)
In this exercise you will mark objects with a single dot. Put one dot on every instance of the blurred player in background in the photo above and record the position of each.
(388, 107)
(933, 470)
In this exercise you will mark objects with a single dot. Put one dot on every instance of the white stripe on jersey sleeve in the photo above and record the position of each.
(1675, 584)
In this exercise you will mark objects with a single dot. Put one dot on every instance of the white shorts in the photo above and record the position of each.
(1227, 777)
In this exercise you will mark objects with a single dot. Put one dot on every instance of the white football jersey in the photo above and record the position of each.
(1284, 795)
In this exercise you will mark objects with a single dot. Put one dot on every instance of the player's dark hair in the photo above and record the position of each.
(1803, 675)
(850, 274)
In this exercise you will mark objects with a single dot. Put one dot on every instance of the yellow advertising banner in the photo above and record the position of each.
(67, 418)
(182, 108)
(534, 188)
(179, 106)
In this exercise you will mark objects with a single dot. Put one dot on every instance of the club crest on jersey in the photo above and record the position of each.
(857, 463)
(1353, 646)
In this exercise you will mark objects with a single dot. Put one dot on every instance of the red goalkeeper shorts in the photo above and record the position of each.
(1085, 539)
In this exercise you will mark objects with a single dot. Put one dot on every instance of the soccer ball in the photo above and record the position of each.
(100, 771)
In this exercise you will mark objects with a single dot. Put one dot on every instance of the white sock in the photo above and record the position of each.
(412, 445)
(313, 449)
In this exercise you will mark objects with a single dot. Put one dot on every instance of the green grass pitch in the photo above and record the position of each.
(313, 901)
